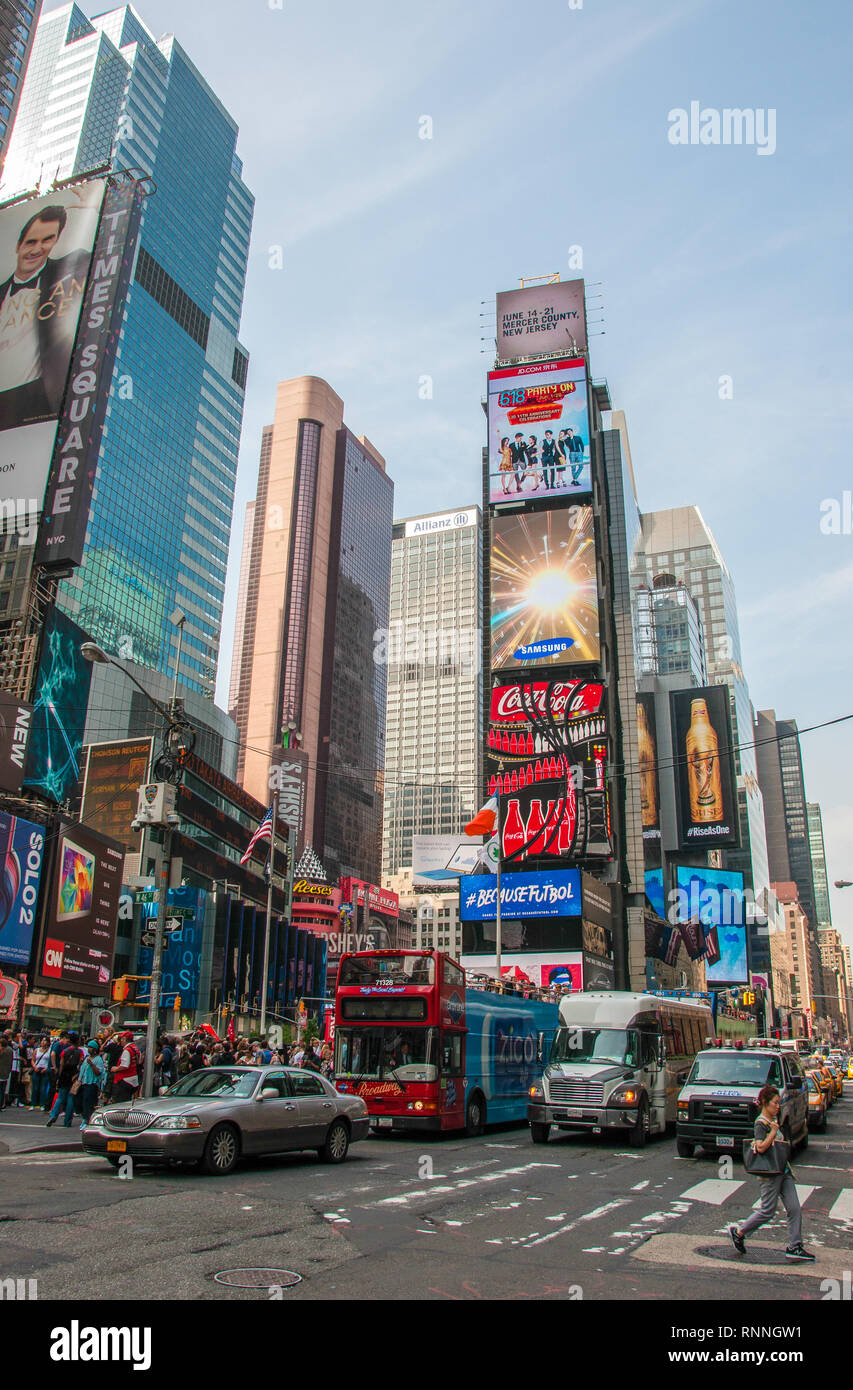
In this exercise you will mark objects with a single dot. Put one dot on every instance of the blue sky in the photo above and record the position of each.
(550, 131)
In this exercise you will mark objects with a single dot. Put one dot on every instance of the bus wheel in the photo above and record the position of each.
(640, 1132)
(475, 1116)
(539, 1133)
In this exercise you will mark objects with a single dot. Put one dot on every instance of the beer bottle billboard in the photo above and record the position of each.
(704, 767)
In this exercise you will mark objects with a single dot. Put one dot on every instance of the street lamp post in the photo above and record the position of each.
(168, 768)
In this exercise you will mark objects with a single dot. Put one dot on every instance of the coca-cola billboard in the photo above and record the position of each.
(521, 702)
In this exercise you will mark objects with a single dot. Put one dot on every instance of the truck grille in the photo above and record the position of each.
(129, 1119)
(576, 1092)
(725, 1116)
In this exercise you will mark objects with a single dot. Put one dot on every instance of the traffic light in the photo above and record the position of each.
(748, 998)
(177, 1004)
(124, 990)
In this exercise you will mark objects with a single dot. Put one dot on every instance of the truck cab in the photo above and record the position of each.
(718, 1104)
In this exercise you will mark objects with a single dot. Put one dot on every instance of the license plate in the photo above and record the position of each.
(574, 1113)
(725, 1141)
(116, 1146)
(383, 1123)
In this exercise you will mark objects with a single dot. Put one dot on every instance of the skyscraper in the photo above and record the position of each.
(433, 757)
(820, 879)
(317, 590)
(680, 549)
(18, 20)
(780, 772)
(105, 92)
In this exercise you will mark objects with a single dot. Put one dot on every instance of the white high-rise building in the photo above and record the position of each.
(433, 649)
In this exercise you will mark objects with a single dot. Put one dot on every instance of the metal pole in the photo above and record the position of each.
(498, 914)
(157, 964)
(178, 658)
(268, 926)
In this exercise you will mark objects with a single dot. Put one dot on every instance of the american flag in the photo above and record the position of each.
(263, 832)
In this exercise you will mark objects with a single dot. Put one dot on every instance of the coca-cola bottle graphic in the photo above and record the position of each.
(513, 832)
(537, 771)
(522, 779)
(529, 773)
(505, 742)
(514, 781)
(535, 827)
(568, 823)
(513, 743)
(552, 821)
(529, 743)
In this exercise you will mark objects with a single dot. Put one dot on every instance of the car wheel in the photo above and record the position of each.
(220, 1152)
(113, 1160)
(804, 1141)
(539, 1133)
(684, 1148)
(641, 1130)
(337, 1143)
(475, 1116)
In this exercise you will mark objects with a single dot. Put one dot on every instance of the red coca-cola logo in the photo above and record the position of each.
(511, 703)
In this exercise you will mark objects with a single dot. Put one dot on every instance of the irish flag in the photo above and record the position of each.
(486, 819)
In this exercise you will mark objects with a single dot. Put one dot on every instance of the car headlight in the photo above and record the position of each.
(625, 1095)
(178, 1122)
(536, 1092)
(96, 1119)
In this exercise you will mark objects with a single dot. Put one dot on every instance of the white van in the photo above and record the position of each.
(617, 1062)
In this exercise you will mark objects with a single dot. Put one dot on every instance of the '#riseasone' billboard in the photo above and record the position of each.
(45, 257)
(538, 431)
(544, 590)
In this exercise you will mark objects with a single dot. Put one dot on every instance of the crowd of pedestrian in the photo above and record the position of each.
(66, 1075)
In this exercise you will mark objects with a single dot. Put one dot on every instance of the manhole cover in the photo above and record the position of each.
(760, 1255)
(258, 1278)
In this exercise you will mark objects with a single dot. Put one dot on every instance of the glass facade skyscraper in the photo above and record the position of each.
(18, 20)
(105, 92)
(820, 879)
(433, 758)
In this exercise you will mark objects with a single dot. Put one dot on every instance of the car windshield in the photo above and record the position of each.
(619, 1046)
(390, 969)
(207, 1085)
(407, 1054)
(720, 1068)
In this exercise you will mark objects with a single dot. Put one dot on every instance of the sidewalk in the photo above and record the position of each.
(25, 1131)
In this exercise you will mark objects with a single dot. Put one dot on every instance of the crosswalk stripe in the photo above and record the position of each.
(842, 1207)
(712, 1190)
(804, 1191)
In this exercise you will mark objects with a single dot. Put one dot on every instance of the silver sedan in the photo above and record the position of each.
(215, 1116)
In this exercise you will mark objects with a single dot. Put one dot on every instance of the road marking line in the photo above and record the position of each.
(714, 1191)
(638, 1186)
(842, 1207)
(406, 1197)
(587, 1216)
(804, 1191)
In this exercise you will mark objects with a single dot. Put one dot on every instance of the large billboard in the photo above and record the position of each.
(21, 855)
(547, 746)
(182, 947)
(555, 893)
(647, 747)
(59, 710)
(544, 590)
(45, 255)
(439, 861)
(80, 929)
(704, 768)
(715, 898)
(81, 422)
(289, 780)
(541, 319)
(539, 431)
(114, 774)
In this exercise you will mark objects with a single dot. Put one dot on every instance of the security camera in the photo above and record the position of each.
(136, 825)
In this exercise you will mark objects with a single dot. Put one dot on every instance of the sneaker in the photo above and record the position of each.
(799, 1252)
(737, 1240)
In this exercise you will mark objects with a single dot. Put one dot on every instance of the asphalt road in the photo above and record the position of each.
(448, 1219)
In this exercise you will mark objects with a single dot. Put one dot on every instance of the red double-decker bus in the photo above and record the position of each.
(427, 1052)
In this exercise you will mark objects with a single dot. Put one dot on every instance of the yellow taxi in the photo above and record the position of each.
(818, 1067)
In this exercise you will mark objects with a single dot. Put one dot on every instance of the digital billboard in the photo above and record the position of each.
(647, 748)
(80, 930)
(181, 947)
(544, 591)
(114, 774)
(552, 893)
(440, 860)
(45, 257)
(59, 709)
(715, 898)
(81, 420)
(539, 431)
(21, 854)
(540, 319)
(704, 768)
(549, 737)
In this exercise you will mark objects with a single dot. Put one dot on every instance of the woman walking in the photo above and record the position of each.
(775, 1185)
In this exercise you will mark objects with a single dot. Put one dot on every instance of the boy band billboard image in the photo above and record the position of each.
(544, 591)
(539, 431)
(702, 742)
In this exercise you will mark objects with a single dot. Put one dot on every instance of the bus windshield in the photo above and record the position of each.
(387, 970)
(402, 1054)
(619, 1046)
